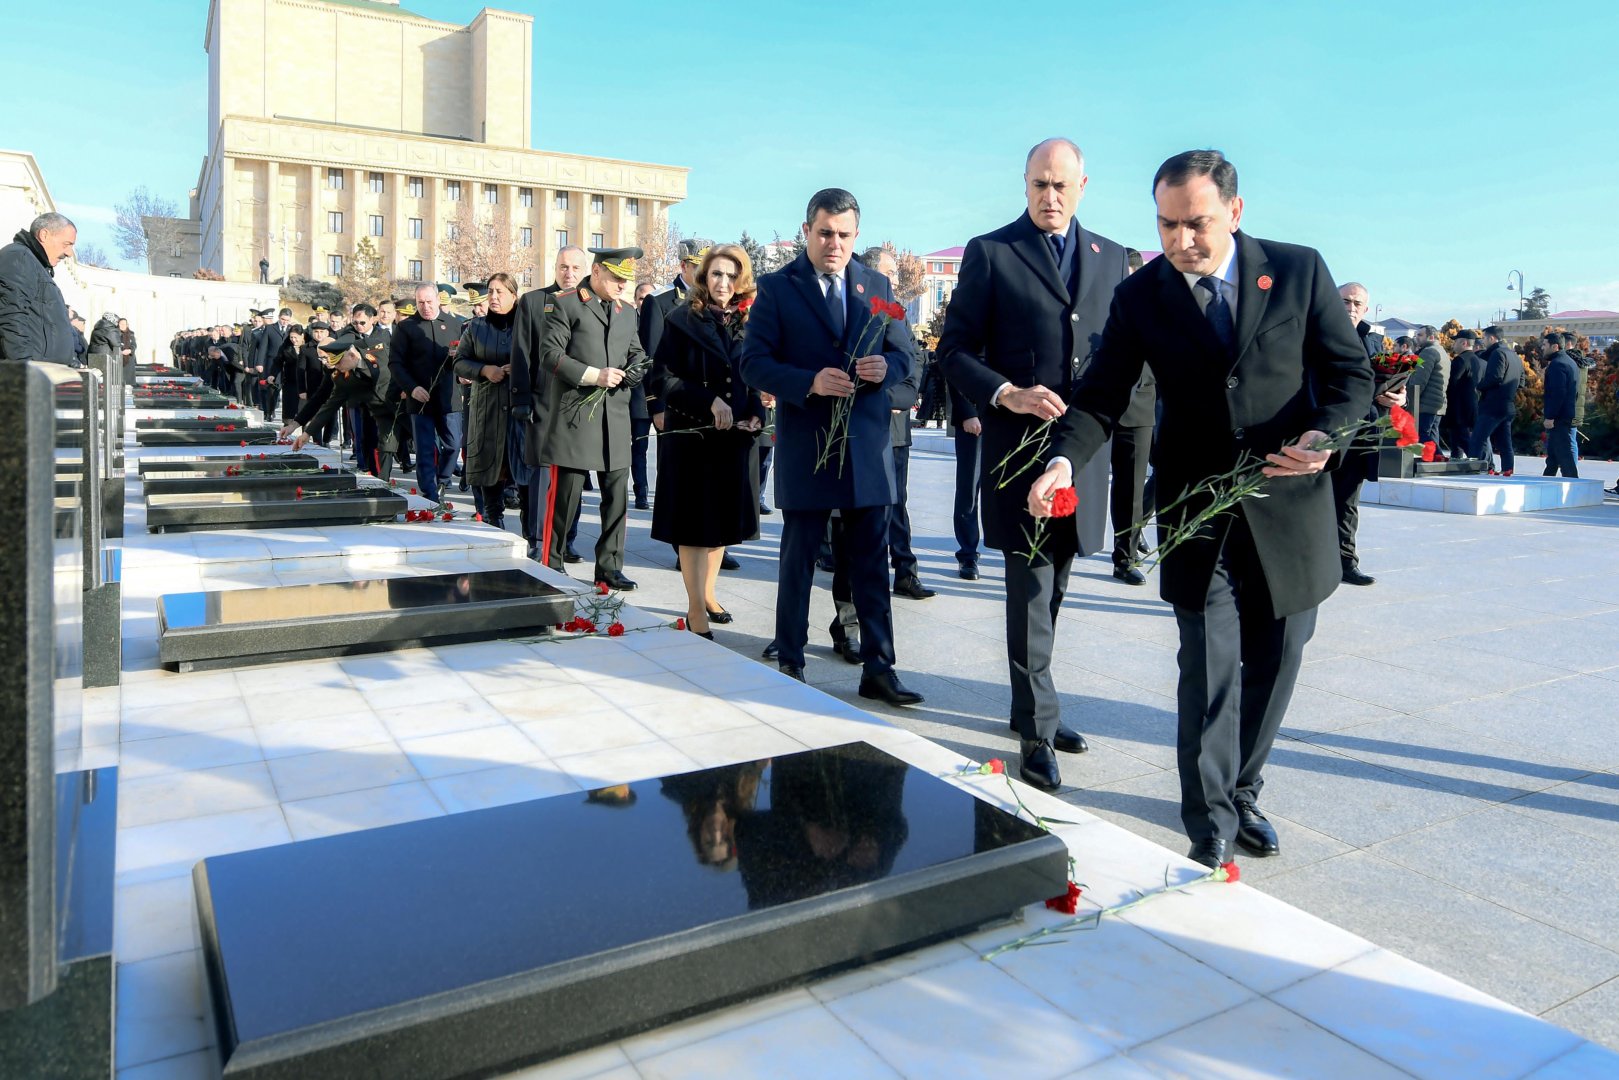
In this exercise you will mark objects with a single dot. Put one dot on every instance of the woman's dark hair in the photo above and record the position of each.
(1211, 163)
(296, 328)
(834, 200)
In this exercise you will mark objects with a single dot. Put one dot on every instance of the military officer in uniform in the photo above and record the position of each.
(573, 374)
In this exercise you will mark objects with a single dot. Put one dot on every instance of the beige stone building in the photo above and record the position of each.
(398, 129)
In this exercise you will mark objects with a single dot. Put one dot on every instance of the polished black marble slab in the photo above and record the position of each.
(283, 481)
(178, 403)
(483, 941)
(245, 463)
(1454, 467)
(265, 436)
(271, 509)
(247, 626)
(192, 423)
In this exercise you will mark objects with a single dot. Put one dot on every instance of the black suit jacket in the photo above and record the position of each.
(267, 348)
(419, 355)
(1296, 365)
(1013, 319)
(655, 311)
(1498, 389)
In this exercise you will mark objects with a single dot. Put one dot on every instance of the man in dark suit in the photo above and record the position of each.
(573, 364)
(812, 345)
(1358, 464)
(1461, 407)
(419, 366)
(967, 430)
(266, 358)
(1497, 401)
(1022, 325)
(1562, 376)
(1253, 356)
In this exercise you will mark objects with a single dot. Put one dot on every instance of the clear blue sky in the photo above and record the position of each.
(1425, 147)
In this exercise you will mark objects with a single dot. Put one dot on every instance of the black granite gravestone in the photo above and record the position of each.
(193, 423)
(246, 464)
(266, 436)
(484, 941)
(255, 626)
(284, 481)
(271, 509)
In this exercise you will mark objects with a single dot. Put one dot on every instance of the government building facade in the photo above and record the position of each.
(403, 132)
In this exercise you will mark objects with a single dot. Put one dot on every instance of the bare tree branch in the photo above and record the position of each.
(130, 230)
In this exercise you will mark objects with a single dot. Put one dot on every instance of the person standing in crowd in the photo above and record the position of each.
(808, 319)
(902, 396)
(708, 496)
(967, 430)
(1461, 397)
(285, 369)
(81, 346)
(362, 378)
(418, 364)
(1252, 356)
(571, 269)
(484, 356)
(33, 315)
(1497, 402)
(314, 382)
(105, 340)
(574, 371)
(1359, 463)
(1435, 384)
(126, 343)
(387, 315)
(1020, 329)
(1562, 377)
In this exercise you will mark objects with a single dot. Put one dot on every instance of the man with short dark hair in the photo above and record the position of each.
(266, 354)
(33, 315)
(420, 367)
(1461, 396)
(1497, 402)
(1561, 378)
(1253, 357)
(360, 379)
(809, 320)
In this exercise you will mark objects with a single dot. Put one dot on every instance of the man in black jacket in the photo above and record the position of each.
(1253, 357)
(266, 360)
(1561, 377)
(1497, 401)
(360, 379)
(419, 364)
(1022, 325)
(33, 315)
(1461, 398)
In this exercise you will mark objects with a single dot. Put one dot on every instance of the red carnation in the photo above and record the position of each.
(601, 588)
(1405, 426)
(263, 456)
(896, 311)
(454, 343)
(325, 468)
(413, 491)
(1233, 872)
(1429, 450)
(300, 491)
(244, 442)
(1064, 501)
(447, 516)
(743, 305)
(616, 630)
(477, 517)
(680, 624)
(996, 766)
(1068, 902)
(879, 306)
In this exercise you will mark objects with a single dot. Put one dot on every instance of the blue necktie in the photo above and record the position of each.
(1218, 311)
(1056, 246)
(834, 303)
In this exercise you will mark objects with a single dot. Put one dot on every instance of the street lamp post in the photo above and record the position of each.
(1521, 296)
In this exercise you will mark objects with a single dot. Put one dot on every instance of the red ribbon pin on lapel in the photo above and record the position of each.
(860, 288)
(1263, 282)
(1096, 248)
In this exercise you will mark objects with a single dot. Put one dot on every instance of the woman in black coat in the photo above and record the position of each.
(485, 356)
(286, 369)
(708, 483)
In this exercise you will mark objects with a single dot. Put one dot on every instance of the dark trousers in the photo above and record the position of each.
(900, 554)
(1496, 431)
(968, 533)
(1561, 451)
(640, 436)
(845, 619)
(1346, 481)
(1126, 500)
(266, 395)
(1034, 593)
(1428, 429)
(1458, 437)
(865, 530)
(1238, 666)
(765, 449)
(615, 505)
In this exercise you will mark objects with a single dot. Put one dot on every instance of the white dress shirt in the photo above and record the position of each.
(1225, 272)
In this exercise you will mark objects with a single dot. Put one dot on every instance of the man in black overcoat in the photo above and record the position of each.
(1022, 325)
(1497, 401)
(1253, 356)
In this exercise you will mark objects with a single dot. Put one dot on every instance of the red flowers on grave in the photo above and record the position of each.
(299, 491)
(325, 468)
(993, 767)
(1405, 426)
(447, 516)
(580, 625)
(616, 630)
(997, 767)
(1429, 450)
(477, 517)
(1068, 902)
(1064, 502)
(601, 588)
(1232, 873)
(680, 624)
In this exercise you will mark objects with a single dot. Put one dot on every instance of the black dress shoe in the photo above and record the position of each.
(912, 588)
(1353, 576)
(1211, 853)
(533, 549)
(764, 509)
(825, 566)
(1129, 575)
(848, 648)
(721, 616)
(728, 563)
(616, 581)
(1069, 741)
(642, 504)
(885, 686)
(1255, 835)
(968, 571)
(1039, 768)
(570, 555)
(771, 651)
(709, 634)
(792, 671)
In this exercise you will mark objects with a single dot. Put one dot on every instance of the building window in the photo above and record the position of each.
(561, 201)
(415, 228)
(418, 187)
(334, 265)
(334, 179)
(598, 204)
(377, 185)
(525, 237)
(632, 207)
(528, 278)
(452, 190)
(414, 268)
(455, 276)
(452, 230)
(597, 240)
(491, 194)
(562, 238)
(376, 224)
(525, 195)
(334, 221)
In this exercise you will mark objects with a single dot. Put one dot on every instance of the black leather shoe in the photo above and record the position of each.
(1039, 768)
(968, 571)
(885, 686)
(617, 581)
(848, 648)
(728, 563)
(1210, 853)
(1255, 835)
(792, 671)
(533, 551)
(721, 616)
(1129, 575)
(771, 651)
(1353, 576)
(642, 504)
(570, 555)
(1069, 741)
(764, 509)
(912, 588)
(824, 566)
(709, 634)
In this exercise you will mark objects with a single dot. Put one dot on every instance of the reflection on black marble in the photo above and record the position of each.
(248, 463)
(262, 495)
(329, 928)
(243, 606)
(86, 828)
